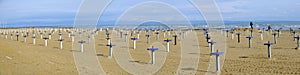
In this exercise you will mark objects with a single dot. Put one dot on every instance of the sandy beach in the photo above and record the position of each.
(25, 58)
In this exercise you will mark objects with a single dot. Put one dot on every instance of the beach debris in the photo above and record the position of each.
(9, 58)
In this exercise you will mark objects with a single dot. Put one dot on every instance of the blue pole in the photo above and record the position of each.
(298, 46)
(298, 41)
(275, 41)
(249, 42)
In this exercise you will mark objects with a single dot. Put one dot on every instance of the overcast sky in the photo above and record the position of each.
(64, 11)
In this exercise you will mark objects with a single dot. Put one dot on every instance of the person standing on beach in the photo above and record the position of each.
(251, 24)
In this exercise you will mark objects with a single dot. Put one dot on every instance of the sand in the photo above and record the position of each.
(20, 58)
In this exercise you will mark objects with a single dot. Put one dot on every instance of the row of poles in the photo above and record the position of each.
(34, 32)
(275, 35)
(72, 32)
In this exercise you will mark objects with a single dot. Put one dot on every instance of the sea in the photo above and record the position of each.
(284, 25)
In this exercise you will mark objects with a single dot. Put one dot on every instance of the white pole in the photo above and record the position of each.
(294, 36)
(110, 51)
(168, 47)
(61, 46)
(211, 48)
(134, 44)
(25, 39)
(148, 40)
(153, 57)
(209, 44)
(164, 34)
(138, 36)
(125, 38)
(34, 41)
(49, 36)
(261, 36)
(46, 43)
(269, 52)
(81, 47)
(89, 40)
(72, 39)
(271, 31)
(232, 36)
(217, 63)
(108, 42)
(298, 44)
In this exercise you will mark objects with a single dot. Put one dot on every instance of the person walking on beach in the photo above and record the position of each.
(251, 24)
(269, 27)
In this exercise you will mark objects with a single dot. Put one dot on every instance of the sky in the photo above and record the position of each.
(62, 12)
